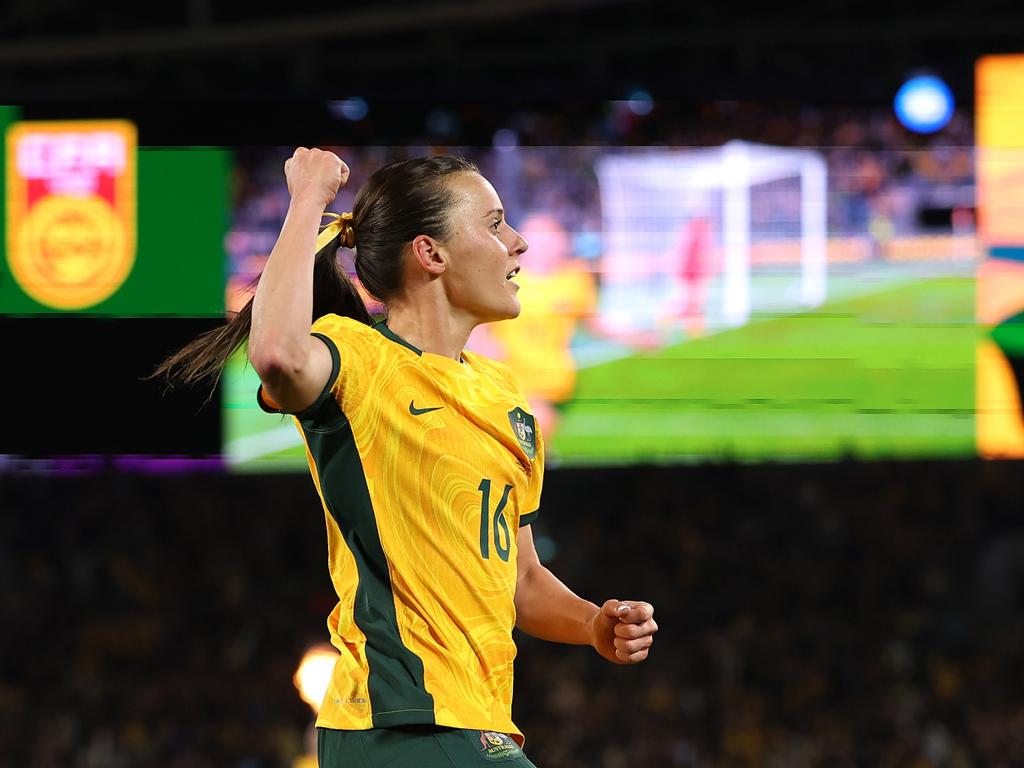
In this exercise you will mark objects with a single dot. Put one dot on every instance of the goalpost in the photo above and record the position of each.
(749, 195)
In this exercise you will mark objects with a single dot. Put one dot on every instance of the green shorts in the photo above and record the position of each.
(417, 746)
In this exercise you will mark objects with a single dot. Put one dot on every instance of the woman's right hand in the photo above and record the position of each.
(316, 174)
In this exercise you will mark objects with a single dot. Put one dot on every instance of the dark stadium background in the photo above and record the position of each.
(843, 614)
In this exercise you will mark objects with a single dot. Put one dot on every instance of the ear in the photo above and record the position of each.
(427, 252)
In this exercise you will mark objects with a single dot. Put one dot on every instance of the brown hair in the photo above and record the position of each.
(396, 204)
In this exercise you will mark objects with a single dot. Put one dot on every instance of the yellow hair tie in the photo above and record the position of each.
(342, 225)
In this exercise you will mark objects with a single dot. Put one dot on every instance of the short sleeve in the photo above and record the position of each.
(531, 503)
(353, 362)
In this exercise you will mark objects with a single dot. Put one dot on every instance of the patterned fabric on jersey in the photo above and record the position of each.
(427, 467)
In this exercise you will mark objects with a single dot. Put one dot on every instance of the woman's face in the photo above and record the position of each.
(482, 250)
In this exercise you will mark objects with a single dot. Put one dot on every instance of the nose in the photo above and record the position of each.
(519, 244)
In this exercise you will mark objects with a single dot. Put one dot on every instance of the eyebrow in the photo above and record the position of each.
(493, 210)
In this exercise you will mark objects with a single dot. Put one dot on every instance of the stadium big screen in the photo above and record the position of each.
(741, 301)
(734, 302)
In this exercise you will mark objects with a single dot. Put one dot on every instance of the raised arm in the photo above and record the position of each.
(293, 365)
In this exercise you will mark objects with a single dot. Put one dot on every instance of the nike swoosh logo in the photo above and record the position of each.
(420, 411)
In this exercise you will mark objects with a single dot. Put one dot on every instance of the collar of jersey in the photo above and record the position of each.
(388, 333)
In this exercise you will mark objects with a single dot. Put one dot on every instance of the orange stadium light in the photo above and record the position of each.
(314, 674)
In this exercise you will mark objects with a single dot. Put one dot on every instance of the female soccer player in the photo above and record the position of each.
(426, 460)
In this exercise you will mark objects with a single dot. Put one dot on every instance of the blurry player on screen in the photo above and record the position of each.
(426, 458)
(694, 269)
(557, 292)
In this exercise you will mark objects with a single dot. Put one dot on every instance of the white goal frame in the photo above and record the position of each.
(734, 169)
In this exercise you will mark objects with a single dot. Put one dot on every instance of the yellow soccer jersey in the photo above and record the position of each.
(536, 344)
(427, 467)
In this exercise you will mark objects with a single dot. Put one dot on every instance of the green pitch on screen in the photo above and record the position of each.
(181, 222)
(888, 374)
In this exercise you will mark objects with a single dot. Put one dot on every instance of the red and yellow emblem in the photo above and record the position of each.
(71, 202)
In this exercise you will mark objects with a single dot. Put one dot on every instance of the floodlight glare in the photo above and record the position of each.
(924, 104)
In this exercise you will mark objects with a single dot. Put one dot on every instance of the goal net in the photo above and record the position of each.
(704, 238)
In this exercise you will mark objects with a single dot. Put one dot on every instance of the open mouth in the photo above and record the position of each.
(512, 273)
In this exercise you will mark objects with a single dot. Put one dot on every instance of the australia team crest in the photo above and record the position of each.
(525, 429)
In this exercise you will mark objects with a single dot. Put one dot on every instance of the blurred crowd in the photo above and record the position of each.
(156, 621)
(840, 615)
(844, 614)
(884, 181)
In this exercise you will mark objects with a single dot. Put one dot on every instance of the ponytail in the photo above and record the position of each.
(204, 358)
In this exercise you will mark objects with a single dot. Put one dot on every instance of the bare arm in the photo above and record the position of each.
(294, 366)
(545, 607)
(621, 631)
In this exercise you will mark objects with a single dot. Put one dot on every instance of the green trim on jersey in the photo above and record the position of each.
(397, 692)
(319, 412)
(388, 333)
(528, 518)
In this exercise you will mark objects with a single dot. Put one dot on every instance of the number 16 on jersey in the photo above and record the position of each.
(502, 537)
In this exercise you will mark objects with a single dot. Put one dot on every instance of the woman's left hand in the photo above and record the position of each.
(623, 630)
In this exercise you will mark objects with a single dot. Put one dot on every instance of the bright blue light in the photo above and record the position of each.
(924, 104)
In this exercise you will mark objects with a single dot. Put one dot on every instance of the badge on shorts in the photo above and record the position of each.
(498, 746)
(524, 428)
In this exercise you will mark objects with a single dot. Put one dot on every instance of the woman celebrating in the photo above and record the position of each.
(426, 460)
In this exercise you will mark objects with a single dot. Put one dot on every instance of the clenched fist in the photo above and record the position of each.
(316, 174)
(623, 630)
